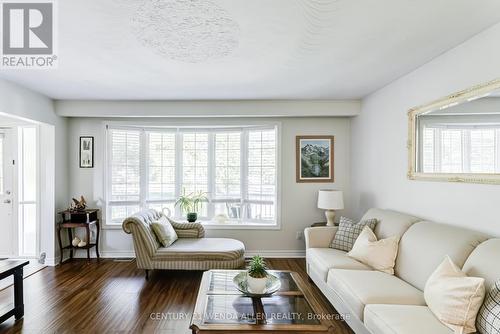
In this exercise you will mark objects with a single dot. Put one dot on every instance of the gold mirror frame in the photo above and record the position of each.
(459, 97)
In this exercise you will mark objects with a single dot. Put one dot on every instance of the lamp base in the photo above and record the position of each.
(330, 217)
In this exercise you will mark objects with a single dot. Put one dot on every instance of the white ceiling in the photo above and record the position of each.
(241, 49)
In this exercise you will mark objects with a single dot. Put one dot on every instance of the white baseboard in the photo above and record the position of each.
(52, 261)
(117, 254)
(106, 254)
(250, 253)
(277, 253)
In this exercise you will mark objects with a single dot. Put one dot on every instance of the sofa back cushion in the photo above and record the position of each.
(424, 246)
(484, 262)
(390, 223)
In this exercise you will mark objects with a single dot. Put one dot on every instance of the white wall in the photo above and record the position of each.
(379, 134)
(298, 200)
(26, 104)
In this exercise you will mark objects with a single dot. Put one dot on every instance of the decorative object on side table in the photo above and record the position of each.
(330, 200)
(314, 158)
(79, 218)
(190, 204)
(318, 224)
(78, 204)
(86, 152)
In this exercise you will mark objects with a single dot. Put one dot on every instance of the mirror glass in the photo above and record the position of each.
(460, 137)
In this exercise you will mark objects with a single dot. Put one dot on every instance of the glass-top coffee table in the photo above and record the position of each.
(221, 308)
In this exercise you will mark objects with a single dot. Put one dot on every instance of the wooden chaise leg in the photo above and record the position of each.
(147, 274)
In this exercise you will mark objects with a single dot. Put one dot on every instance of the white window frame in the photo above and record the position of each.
(180, 127)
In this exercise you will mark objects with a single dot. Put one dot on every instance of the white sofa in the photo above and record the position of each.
(375, 302)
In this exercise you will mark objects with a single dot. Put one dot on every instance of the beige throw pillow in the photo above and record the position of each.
(378, 254)
(453, 297)
(164, 231)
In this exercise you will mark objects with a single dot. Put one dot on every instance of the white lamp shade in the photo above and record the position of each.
(330, 199)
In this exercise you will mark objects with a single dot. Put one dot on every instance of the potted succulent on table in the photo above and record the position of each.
(257, 275)
(190, 204)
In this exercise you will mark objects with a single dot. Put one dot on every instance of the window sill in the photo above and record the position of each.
(211, 225)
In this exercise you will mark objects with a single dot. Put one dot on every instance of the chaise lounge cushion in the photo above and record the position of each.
(402, 319)
(203, 249)
(358, 288)
(321, 260)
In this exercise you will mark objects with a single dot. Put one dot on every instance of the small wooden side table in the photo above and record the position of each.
(74, 219)
(322, 224)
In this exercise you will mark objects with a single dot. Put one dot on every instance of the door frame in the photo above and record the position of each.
(50, 138)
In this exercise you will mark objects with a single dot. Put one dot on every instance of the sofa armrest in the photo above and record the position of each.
(319, 237)
(188, 230)
(145, 243)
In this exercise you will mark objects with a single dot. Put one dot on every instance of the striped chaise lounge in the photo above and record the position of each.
(192, 251)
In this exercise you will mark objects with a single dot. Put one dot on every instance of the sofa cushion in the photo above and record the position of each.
(321, 260)
(358, 288)
(483, 262)
(454, 297)
(218, 249)
(378, 254)
(164, 232)
(488, 318)
(425, 244)
(390, 222)
(348, 232)
(402, 319)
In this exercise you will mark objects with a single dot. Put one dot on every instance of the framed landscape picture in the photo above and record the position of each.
(314, 158)
(86, 152)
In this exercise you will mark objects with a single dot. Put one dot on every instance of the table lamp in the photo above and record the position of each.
(330, 200)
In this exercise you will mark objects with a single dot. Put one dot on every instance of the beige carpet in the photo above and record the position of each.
(29, 270)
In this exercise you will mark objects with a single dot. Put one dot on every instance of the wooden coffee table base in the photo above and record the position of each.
(221, 308)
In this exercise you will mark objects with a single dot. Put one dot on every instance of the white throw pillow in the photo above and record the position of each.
(378, 254)
(453, 297)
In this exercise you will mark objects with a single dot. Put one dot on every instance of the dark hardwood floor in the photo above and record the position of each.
(114, 297)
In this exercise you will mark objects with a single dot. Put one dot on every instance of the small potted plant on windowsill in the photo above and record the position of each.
(190, 204)
(257, 275)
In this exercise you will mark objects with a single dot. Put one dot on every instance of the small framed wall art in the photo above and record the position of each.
(86, 152)
(314, 158)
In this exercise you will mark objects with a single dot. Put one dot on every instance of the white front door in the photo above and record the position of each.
(7, 228)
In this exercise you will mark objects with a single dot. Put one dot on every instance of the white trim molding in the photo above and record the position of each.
(187, 109)
(248, 254)
(276, 253)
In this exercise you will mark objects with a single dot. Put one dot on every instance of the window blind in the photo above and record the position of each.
(235, 167)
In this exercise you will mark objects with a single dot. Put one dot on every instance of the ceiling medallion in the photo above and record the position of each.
(186, 30)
